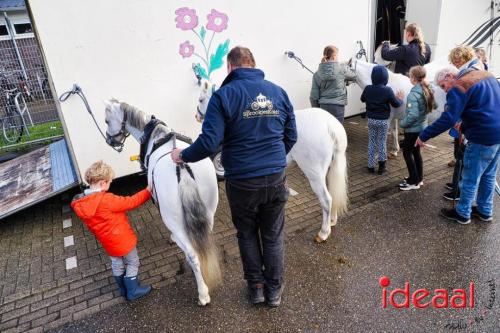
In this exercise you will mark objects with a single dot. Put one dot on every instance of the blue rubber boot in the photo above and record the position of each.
(119, 282)
(134, 290)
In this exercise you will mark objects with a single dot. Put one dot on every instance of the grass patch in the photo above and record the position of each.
(38, 133)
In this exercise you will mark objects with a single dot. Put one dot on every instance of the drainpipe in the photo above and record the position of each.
(11, 31)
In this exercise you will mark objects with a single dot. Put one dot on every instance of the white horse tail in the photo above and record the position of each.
(197, 226)
(337, 173)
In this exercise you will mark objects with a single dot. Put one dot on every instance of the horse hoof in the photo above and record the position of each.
(203, 304)
(319, 240)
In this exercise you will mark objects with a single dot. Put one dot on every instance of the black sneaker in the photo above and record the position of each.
(449, 186)
(482, 217)
(451, 196)
(451, 214)
(256, 293)
(371, 170)
(274, 299)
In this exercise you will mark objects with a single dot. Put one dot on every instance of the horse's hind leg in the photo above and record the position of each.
(194, 262)
(318, 185)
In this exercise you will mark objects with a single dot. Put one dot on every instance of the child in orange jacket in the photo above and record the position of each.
(104, 215)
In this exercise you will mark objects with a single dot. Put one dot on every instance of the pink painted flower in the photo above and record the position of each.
(186, 18)
(186, 49)
(217, 21)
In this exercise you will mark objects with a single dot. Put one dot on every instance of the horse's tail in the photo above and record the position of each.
(337, 173)
(197, 226)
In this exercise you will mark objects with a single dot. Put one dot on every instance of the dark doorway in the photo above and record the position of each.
(390, 21)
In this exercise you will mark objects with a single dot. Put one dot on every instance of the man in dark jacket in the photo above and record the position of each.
(254, 120)
(473, 96)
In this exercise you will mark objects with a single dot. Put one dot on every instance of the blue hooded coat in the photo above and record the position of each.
(378, 96)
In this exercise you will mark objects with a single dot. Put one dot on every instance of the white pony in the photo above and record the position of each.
(320, 154)
(400, 82)
(187, 206)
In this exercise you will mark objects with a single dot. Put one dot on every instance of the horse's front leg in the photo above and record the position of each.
(194, 262)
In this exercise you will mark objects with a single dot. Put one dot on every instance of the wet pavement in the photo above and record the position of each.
(334, 287)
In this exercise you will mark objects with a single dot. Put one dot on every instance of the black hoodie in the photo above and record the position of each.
(378, 96)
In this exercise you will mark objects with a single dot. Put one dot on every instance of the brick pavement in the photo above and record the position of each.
(38, 292)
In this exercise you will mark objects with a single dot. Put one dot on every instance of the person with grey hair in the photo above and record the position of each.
(472, 97)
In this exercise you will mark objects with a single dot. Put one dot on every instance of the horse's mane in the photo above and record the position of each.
(136, 117)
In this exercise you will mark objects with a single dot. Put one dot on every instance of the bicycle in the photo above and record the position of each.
(12, 123)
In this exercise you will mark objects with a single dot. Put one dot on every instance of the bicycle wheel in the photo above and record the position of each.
(12, 126)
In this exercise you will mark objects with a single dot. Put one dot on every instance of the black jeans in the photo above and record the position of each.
(258, 213)
(413, 158)
(458, 153)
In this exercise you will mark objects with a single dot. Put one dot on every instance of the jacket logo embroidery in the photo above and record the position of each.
(261, 107)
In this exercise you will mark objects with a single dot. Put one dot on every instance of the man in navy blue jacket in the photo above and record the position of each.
(254, 120)
(473, 96)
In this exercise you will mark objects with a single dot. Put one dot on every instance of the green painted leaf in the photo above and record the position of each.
(201, 70)
(203, 32)
(217, 58)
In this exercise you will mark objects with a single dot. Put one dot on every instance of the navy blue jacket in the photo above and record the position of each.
(253, 119)
(406, 56)
(378, 96)
(474, 99)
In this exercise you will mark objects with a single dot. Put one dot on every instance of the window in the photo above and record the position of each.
(3, 30)
(23, 28)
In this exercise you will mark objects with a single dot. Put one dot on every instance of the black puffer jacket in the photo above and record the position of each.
(406, 56)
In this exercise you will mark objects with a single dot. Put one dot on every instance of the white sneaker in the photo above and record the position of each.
(409, 187)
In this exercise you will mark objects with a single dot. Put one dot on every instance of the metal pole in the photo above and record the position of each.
(10, 30)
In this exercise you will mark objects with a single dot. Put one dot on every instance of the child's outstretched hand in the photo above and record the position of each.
(400, 94)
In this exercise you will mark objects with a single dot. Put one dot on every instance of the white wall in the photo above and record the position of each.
(425, 13)
(129, 49)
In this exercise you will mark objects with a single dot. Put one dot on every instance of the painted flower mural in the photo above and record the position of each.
(186, 19)
(186, 49)
(217, 21)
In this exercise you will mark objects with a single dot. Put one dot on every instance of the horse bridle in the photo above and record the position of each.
(111, 138)
(116, 145)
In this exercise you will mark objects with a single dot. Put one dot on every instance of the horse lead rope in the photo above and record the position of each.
(76, 90)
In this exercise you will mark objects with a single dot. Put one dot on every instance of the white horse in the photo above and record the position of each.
(320, 154)
(400, 82)
(187, 206)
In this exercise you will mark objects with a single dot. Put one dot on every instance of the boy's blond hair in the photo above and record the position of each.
(98, 171)
(461, 55)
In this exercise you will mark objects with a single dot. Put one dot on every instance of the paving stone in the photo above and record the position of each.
(72, 309)
(33, 315)
(15, 313)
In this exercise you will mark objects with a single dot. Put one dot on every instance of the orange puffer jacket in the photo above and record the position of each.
(104, 215)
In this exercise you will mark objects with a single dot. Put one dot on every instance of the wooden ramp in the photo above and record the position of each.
(36, 176)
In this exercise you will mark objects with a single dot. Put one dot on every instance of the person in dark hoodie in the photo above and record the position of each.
(104, 215)
(329, 90)
(416, 53)
(379, 98)
(254, 120)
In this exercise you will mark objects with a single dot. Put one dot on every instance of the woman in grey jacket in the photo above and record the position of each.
(329, 90)
(419, 103)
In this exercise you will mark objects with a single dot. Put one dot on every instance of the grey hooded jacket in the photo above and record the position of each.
(329, 84)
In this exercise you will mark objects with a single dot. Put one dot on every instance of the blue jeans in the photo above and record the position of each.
(130, 260)
(478, 177)
(258, 213)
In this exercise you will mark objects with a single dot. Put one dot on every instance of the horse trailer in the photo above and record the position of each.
(153, 53)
